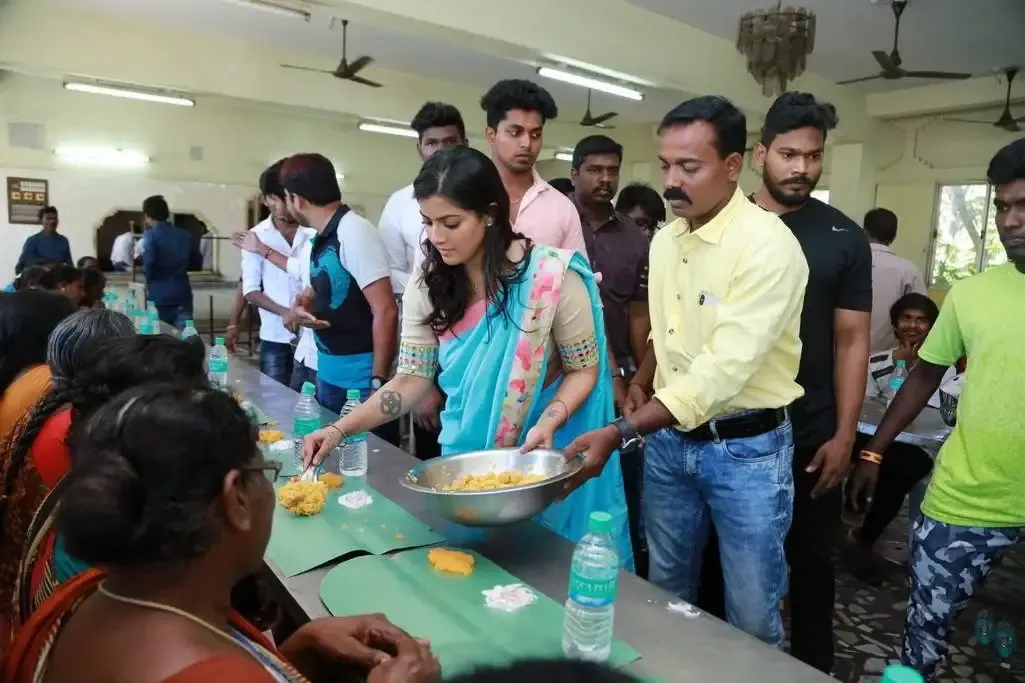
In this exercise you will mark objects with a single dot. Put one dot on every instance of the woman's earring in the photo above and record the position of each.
(490, 222)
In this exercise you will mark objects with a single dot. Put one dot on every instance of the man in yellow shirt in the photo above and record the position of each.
(974, 509)
(726, 287)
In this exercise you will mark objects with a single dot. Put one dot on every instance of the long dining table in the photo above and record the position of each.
(675, 646)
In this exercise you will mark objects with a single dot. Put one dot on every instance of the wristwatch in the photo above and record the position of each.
(376, 383)
(628, 436)
(619, 372)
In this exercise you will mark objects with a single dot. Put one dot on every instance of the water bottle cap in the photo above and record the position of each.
(898, 673)
(902, 364)
(600, 523)
(309, 389)
(189, 323)
(219, 341)
(352, 394)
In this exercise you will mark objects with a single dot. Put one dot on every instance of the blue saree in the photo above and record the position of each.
(493, 374)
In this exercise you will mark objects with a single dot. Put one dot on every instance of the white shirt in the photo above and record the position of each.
(880, 369)
(299, 268)
(892, 278)
(260, 274)
(402, 230)
(123, 250)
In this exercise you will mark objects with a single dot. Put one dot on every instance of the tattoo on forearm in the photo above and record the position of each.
(391, 403)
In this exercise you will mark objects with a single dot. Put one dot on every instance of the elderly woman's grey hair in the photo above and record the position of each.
(76, 336)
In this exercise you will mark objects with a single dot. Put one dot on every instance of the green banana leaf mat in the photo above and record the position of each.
(299, 544)
(450, 610)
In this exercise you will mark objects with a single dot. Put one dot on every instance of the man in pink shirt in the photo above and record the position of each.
(516, 112)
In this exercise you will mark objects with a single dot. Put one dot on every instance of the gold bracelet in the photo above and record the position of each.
(869, 456)
(339, 430)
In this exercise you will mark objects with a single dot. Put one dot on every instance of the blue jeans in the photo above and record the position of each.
(333, 398)
(948, 564)
(301, 375)
(276, 360)
(175, 314)
(746, 487)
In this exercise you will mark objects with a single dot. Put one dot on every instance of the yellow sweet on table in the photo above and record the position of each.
(303, 498)
(269, 436)
(332, 480)
(493, 480)
(450, 561)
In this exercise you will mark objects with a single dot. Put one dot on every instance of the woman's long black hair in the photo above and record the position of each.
(26, 320)
(468, 179)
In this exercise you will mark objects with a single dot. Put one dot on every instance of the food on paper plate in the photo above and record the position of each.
(493, 480)
(303, 498)
(451, 561)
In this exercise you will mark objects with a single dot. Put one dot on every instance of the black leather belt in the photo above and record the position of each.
(741, 426)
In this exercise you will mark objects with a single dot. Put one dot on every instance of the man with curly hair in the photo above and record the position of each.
(516, 112)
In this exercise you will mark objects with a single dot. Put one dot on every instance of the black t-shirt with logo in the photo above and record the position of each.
(839, 277)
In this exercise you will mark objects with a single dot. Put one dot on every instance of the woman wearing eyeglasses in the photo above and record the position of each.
(175, 523)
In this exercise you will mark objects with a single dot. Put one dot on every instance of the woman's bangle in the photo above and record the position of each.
(231, 327)
(550, 410)
(869, 456)
(338, 429)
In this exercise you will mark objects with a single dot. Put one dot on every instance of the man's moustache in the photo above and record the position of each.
(674, 194)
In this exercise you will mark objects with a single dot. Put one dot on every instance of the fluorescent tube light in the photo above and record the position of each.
(371, 127)
(592, 83)
(101, 156)
(128, 93)
(600, 70)
(282, 10)
(564, 156)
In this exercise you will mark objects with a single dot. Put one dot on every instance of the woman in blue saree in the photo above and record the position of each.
(515, 328)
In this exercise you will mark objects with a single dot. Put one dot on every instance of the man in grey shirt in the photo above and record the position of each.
(892, 277)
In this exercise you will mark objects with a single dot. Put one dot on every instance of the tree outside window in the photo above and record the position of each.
(965, 240)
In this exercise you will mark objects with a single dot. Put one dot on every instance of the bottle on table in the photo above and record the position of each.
(190, 330)
(154, 322)
(898, 673)
(900, 373)
(142, 323)
(354, 448)
(217, 365)
(587, 622)
(305, 419)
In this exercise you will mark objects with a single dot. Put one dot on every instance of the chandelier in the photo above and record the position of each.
(776, 43)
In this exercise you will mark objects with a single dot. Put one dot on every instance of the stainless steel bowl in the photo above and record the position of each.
(493, 507)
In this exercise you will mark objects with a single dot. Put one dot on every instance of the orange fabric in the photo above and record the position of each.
(34, 637)
(49, 451)
(24, 392)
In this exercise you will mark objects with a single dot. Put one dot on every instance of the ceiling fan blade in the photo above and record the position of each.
(885, 63)
(944, 75)
(1009, 126)
(306, 68)
(362, 81)
(859, 80)
(602, 118)
(358, 64)
(976, 121)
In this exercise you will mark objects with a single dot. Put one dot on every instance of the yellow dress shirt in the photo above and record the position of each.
(725, 304)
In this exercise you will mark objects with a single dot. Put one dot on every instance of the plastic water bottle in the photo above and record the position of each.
(190, 330)
(144, 324)
(898, 673)
(900, 373)
(587, 623)
(354, 450)
(305, 418)
(154, 322)
(984, 627)
(217, 365)
(1004, 641)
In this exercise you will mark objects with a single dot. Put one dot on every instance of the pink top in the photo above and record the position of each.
(548, 217)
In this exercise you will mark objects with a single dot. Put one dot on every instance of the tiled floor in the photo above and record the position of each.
(869, 625)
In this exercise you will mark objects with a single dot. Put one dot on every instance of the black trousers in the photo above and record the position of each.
(903, 466)
(809, 548)
(632, 464)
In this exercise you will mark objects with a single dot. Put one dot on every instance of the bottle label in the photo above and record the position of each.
(305, 425)
(218, 366)
(591, 592)
(356, 438)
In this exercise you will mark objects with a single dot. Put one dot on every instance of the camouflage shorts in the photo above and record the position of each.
(948, 564)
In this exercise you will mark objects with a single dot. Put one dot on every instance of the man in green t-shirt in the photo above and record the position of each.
(975, 507)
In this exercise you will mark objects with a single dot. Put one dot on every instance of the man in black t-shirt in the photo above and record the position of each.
(834, 360)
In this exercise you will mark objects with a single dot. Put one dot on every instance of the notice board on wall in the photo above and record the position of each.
(25, 197)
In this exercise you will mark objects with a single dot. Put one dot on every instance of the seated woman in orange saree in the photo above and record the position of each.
(175, 523)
